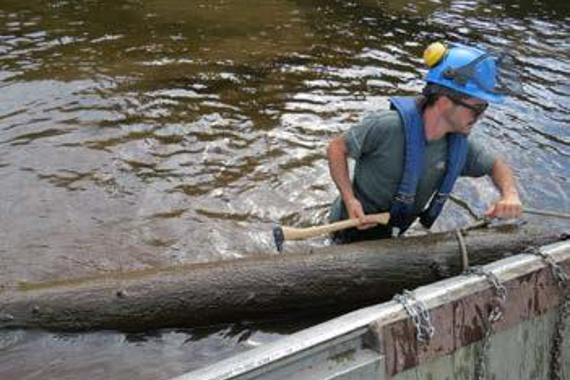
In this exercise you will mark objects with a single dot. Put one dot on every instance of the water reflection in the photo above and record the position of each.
(104, 354)
(140, 134)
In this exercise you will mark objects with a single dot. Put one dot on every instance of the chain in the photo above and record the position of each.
(495, 315)
(561, 278)
(557, 271)
(558, 338)
(499, 289)
(419, 314)
(481, 363)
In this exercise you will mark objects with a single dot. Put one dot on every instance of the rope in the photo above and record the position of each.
(464, 204)
(546, 213)
(463, 247)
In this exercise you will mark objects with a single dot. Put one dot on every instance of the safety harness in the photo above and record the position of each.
(402, 212)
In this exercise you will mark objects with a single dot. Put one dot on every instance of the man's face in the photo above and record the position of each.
(465, 113)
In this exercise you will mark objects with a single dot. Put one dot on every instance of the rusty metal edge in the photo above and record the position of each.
(358, 324)
(462, 319)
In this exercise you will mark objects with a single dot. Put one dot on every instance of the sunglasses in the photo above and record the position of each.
(477, 109)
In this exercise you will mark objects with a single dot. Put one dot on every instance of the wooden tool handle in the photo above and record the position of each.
(292, 233)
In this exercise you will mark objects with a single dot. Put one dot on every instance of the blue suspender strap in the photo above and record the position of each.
(402, 213)
(456, 157)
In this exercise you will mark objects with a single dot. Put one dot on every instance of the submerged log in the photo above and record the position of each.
(340, 276)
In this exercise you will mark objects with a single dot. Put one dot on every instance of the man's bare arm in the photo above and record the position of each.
(337, 154)
(509, 206)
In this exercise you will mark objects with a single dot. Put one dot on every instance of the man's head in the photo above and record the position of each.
(461, 83)
(469, 71)
(459, 111)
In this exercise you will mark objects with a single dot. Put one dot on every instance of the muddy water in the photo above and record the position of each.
(139, 134)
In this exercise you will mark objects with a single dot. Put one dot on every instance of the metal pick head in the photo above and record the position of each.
(278, 237)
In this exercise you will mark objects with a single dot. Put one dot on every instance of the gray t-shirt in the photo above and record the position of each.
(377, 144)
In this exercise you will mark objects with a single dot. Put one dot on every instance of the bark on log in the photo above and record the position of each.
(190, 295)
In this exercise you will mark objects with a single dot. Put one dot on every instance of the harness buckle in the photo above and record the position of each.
(407, 198)
(441, 197)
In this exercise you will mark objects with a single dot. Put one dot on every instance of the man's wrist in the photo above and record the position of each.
(349, 198)
(511, 194)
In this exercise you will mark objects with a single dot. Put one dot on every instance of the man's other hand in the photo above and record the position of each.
(507, 207)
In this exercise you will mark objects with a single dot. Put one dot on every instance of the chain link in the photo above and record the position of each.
(495, 315)
(481, 363)
(499, 289)
(558, 272)
(419, 314)
(562, 280)
(558, 338)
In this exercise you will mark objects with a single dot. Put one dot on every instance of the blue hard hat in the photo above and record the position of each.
(469, 71)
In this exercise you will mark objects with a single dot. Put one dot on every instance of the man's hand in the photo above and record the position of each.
(354, 208)
(509, 206)
(337, 154)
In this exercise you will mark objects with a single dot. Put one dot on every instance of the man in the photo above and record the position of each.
(408, 159)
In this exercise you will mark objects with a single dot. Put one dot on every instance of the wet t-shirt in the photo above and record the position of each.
(377, 144)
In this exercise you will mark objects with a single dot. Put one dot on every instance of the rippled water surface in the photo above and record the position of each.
(139, 134)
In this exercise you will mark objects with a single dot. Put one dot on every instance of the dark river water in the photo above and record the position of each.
(141, 134)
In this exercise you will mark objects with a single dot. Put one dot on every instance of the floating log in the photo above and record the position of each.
(342, 276)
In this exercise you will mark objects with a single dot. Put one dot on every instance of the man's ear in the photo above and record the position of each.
(444, 104)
